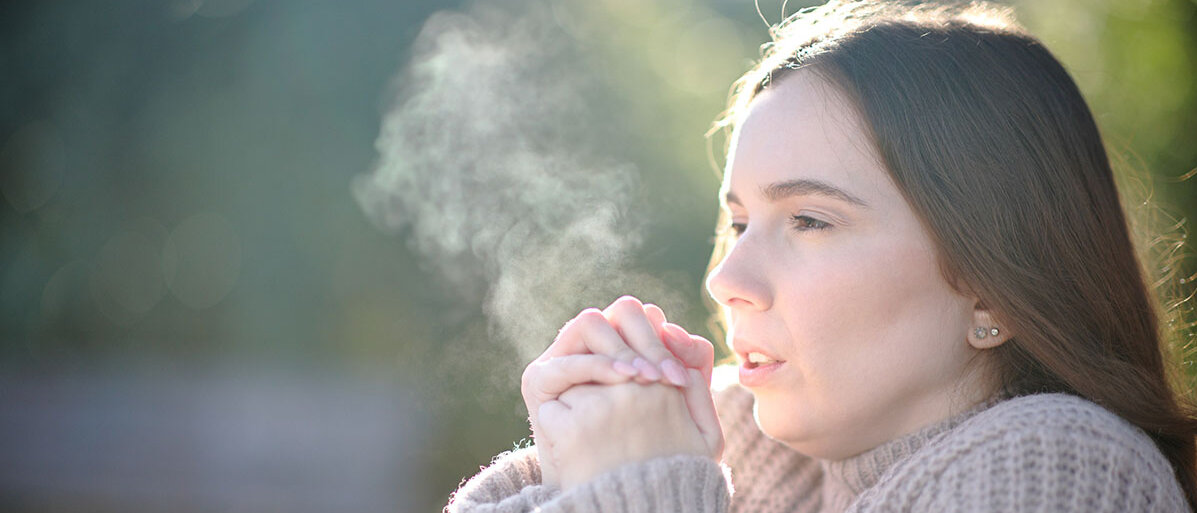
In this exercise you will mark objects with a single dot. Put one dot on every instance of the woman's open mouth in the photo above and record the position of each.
(756, 368)
(757, 359)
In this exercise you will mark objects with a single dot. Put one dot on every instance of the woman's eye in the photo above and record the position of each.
(733, 229)
(807, 223)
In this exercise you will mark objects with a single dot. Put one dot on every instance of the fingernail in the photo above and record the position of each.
(624, 368)
(675, 372)
(648, 370)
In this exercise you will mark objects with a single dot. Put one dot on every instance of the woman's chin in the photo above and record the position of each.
(799, 433)
(781, 425)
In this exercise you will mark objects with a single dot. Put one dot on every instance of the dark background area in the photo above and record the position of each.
(197, 315)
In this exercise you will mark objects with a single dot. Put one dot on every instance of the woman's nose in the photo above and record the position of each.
(738, 281)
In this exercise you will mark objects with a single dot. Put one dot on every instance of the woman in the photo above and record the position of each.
(930, 286)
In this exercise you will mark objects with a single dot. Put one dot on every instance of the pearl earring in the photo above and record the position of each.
(993, 331)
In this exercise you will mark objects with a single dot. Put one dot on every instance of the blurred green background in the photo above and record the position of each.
(234, 275)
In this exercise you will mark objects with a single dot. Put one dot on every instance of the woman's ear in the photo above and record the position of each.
(985, 333)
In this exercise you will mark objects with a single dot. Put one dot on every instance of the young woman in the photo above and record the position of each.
(930, 287)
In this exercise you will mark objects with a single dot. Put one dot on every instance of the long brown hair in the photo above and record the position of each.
(993, 146)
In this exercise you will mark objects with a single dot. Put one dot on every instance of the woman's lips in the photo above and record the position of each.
(757, 374)
(757, 363)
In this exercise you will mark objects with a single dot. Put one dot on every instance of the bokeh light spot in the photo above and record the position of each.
(60, 300)
(31, 166)
(128, 276)
(202, 260)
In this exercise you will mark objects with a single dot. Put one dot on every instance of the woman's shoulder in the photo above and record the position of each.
(1058, 417)
(1050, 452)
(1061, 430)
(1066, 427)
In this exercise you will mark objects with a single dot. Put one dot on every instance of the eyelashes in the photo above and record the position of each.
(799, 223)
(807, 223)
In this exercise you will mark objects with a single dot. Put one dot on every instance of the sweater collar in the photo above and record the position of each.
(847, 478)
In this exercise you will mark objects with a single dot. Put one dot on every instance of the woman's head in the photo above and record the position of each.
(992, 149)
(833, 278)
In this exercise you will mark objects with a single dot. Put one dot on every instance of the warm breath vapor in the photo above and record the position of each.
(489, 163)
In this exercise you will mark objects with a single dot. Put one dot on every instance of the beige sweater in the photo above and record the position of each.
(1049, 453)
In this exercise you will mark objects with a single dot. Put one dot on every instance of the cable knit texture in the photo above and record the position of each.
(1048, 452)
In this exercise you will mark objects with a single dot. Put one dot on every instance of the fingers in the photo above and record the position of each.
(628, 316)
(701, 404)
(656, 317)
(545, 380)
(583, 397)
(590, 332)
(637, 334)
(631, 319)
(694, 351)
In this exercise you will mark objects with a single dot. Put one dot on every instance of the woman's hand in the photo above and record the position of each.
(592, 429)
(628, 340)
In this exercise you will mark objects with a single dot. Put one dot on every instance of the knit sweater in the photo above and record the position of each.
(1047, 452)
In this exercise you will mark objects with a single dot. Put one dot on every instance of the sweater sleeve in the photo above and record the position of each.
(511, 484)
(769, 477)
(675, 483)
(1052, 453)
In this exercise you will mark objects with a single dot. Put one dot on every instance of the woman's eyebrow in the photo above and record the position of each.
(800, 187)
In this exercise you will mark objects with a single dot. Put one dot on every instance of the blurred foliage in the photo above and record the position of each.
(176, 179)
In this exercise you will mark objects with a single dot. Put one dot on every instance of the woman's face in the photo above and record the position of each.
(834, 282)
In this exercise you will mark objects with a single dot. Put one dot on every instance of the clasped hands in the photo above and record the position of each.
(617, 386)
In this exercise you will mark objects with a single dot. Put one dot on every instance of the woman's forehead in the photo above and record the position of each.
(802, 127)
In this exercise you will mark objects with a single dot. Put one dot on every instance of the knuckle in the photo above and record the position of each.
(588, 317)
(528, 392)
(626, 304)
(533, 377)
(528, 376)
(628, 299)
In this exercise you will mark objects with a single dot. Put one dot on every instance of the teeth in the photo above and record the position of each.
(755, 357)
